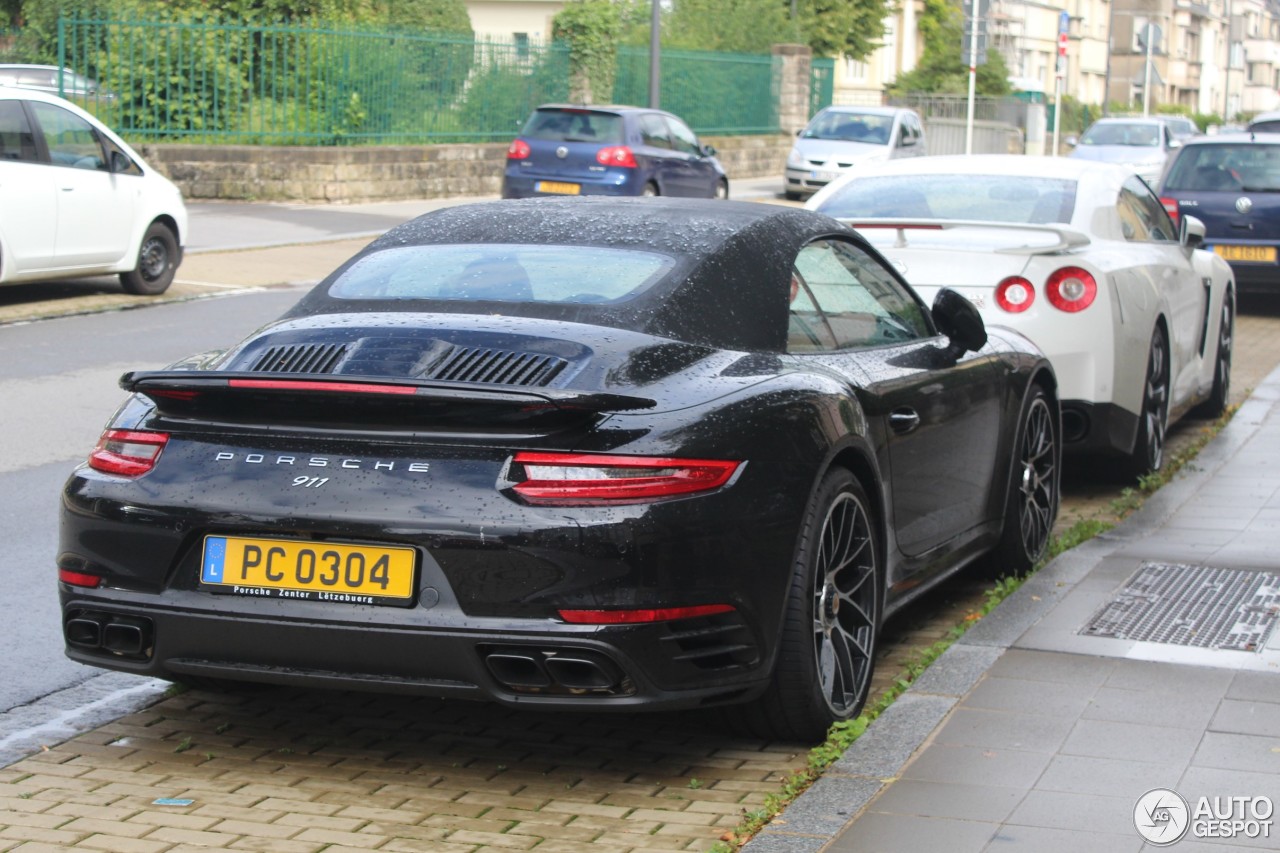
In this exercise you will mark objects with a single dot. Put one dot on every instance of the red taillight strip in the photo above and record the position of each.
(332, 387)
(633, 617)
(127, 452)
(79, 578)
(615, 479)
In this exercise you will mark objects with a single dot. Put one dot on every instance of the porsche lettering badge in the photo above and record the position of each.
(350, 463)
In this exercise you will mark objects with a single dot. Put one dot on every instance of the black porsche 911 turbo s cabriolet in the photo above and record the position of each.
(579, 453)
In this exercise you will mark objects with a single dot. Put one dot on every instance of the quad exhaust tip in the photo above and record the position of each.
(126, 636)
(555, 671)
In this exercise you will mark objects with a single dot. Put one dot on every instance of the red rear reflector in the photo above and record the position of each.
(584, 479)
(126, 452)
(1015, 294)
(518, 150)
(1171, 205)
(1071, 289)
(333, 387)
(617, 155)
(632, 617)
(78, 578)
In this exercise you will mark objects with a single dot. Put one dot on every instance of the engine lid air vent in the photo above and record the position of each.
(498, 367)
(300, 358)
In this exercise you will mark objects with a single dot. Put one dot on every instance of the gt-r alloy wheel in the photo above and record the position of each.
(1220, 396)
(827, 651)
(1153, 419)
(1032, 504)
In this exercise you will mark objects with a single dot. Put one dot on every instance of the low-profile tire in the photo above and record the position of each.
(827, 648)
(1153, 417)
(1032, 504)
(157, 263)
(650, 190)
(722, 190)
(1220, 396)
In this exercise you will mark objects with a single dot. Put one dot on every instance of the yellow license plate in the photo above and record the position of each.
(1255, 254)
(315, 571)
(558, 187)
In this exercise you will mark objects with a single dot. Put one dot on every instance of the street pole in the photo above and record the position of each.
(1146, 71)
(973, 76)
(655, 51)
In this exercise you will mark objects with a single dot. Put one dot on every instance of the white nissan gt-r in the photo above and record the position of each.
(1083, 259)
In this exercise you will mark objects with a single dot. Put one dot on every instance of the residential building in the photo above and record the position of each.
(513, 21)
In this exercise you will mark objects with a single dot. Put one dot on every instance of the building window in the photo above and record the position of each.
(855, 70)
(522, 44)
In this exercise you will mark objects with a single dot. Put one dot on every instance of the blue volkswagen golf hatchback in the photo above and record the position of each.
(1231, 183)
(596, 150)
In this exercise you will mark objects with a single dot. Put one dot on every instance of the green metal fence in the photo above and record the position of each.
(9, 45)
(282, 85)
(822, 84)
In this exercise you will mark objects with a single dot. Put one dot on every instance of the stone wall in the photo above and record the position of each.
(304, 174)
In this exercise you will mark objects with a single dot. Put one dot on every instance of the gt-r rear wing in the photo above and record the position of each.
(366, 402)
(1068, 238)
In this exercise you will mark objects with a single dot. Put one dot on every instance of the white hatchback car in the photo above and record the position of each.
(843, 139)
(1083, 259)
(75, 200)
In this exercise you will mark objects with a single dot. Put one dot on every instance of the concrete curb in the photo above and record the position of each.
(877, 758)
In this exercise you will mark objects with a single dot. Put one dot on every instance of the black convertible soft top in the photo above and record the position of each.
(728, 287)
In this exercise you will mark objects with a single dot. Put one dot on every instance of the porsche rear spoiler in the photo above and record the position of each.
(1068, 238)
(347, 401)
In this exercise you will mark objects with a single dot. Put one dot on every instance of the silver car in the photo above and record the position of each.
(840, 139)
(1142, 144)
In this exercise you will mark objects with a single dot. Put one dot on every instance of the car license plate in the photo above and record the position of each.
(316, 571)
(1248, 254)
(558, 187)
(823, 176)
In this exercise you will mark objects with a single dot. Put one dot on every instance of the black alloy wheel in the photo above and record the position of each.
(1032, 504)
(1153, 419)
(827, 650)
(1220, 396)
(157, 263)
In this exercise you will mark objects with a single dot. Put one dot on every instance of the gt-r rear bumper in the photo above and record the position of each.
(1097, 428)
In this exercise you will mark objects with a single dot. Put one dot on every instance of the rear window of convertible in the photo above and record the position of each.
(503, 272)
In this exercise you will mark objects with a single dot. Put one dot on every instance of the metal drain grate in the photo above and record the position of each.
(1197, 606)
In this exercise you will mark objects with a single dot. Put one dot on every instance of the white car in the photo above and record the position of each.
(75, 200)
(840, 139)
(1142, 144)
(1083, 259)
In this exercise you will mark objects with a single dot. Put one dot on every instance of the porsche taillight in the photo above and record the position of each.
(518, 150)
(1170, 205)
(1015, 294)
(1071, 289)
(617, 155)
(129, 453)
(586, 479)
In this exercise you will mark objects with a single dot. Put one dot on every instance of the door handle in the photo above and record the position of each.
(903, 420)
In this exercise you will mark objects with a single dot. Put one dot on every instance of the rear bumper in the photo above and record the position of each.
(514, 662)
(1256, 278)
(614, 183)
(1097, 428)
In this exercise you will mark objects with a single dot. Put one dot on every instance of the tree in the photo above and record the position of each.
(730, 26)
(842, 27)
(591, 28)
(941, 68)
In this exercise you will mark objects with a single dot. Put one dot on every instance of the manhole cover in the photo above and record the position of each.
(1192, 606)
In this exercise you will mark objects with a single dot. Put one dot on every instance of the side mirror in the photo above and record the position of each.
(1190, 232)
(956, 318)
(1072, 141)
(707, 151)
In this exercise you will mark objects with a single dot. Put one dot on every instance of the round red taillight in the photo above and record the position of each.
(617, 155)
(1015, 294)
(518, 150)
(1071, 289)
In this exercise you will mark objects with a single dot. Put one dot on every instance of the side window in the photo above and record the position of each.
(16, 140)
(654, 132)
(71, 140)
(1143, 217)
(858, 302)
(682, 138)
